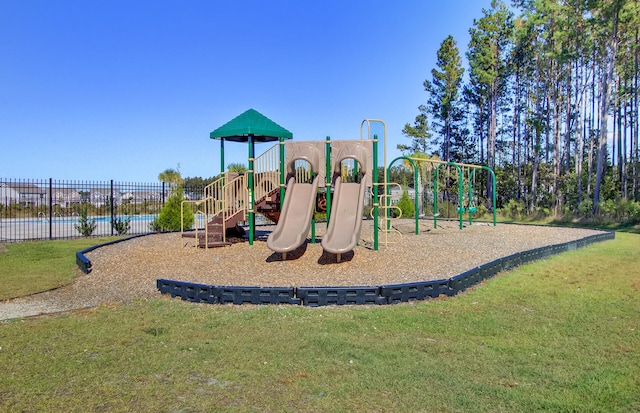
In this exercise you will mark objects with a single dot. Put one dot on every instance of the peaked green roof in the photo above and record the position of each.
(251, 123)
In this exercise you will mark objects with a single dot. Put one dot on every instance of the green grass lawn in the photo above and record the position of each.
(562, 334)
(32, 267)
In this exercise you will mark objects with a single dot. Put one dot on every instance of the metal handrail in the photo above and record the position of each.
(267, 172)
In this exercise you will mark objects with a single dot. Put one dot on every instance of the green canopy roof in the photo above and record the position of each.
(251, 123)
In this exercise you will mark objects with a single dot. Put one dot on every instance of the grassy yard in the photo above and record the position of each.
(32, 267)
(561, 334)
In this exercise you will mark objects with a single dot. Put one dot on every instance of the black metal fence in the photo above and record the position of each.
(49, 209)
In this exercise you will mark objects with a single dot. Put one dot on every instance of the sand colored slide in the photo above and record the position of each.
(347, 204)
(299, 204)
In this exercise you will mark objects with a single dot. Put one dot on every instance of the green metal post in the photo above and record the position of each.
(493, 175)
(470, 185)
(221, 156)
(416, 202)
(250, 189)
(374, 191)
(328, 176)
(435, 197)
(313, 217)
(283, 171)
(460, 192)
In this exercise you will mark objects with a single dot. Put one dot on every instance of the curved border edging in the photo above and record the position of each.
(378, 295)
(84, 263)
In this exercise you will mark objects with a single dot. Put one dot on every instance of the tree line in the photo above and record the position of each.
(550, 102)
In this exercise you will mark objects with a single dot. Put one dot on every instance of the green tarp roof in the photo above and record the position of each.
(251, 123)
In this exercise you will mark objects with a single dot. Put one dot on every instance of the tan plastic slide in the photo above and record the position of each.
(299, 204)
(347, 204)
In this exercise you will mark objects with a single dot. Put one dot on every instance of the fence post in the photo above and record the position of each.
(111, 197)
(50, 208)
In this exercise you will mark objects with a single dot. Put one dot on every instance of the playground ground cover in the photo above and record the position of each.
(560, 334)
(128, 270)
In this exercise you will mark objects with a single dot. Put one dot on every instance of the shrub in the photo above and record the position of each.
(514, 209)
(169, 218)
(85, 226)
(585, 208)
(406, 205)
(632, 210)
(122, 225)
(154, 226)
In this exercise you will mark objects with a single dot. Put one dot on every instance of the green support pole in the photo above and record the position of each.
(283, 172)
(250, 189)
(313, 220)
(221, 157)
(470, 185)
(460, 193)
(328, 174)
(374, 191)
(435, 199)
(494, 197)
(493, 175)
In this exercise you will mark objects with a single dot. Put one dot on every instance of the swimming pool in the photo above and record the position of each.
(74, 219)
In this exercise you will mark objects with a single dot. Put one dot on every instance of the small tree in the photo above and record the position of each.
(406, 205)
(85, 226)
(169, 218)
(122, 225)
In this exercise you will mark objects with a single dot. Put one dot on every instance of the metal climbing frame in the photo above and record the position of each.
(375, 183)
(459, 167)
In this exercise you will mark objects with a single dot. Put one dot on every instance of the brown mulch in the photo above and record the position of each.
(128, 270)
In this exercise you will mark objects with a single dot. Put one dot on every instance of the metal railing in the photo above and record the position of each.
(267, 172)
(47, 209)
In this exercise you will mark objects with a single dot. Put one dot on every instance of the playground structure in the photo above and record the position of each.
(465, 177)
(284, 182)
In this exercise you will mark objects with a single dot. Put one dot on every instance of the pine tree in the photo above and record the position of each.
(419, 134)
(489, 48)
(444, 101)
(487, 54)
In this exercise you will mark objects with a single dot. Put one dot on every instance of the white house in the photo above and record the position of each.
(102, 197)
(65, 197)
(27, 194)
(8, 195)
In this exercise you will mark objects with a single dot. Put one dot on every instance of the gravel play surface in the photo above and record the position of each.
(128, 270)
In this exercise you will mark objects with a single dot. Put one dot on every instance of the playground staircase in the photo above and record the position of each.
(221, 231)
(223, 206)
(269, 205)
(226, 203)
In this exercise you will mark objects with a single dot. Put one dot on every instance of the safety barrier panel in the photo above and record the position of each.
(85, 264)
(321, 296)
(373, 295)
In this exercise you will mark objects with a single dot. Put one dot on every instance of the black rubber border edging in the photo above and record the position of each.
(84, 263)
(377, 295)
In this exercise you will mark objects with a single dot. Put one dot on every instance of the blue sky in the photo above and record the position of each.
(98, 90)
